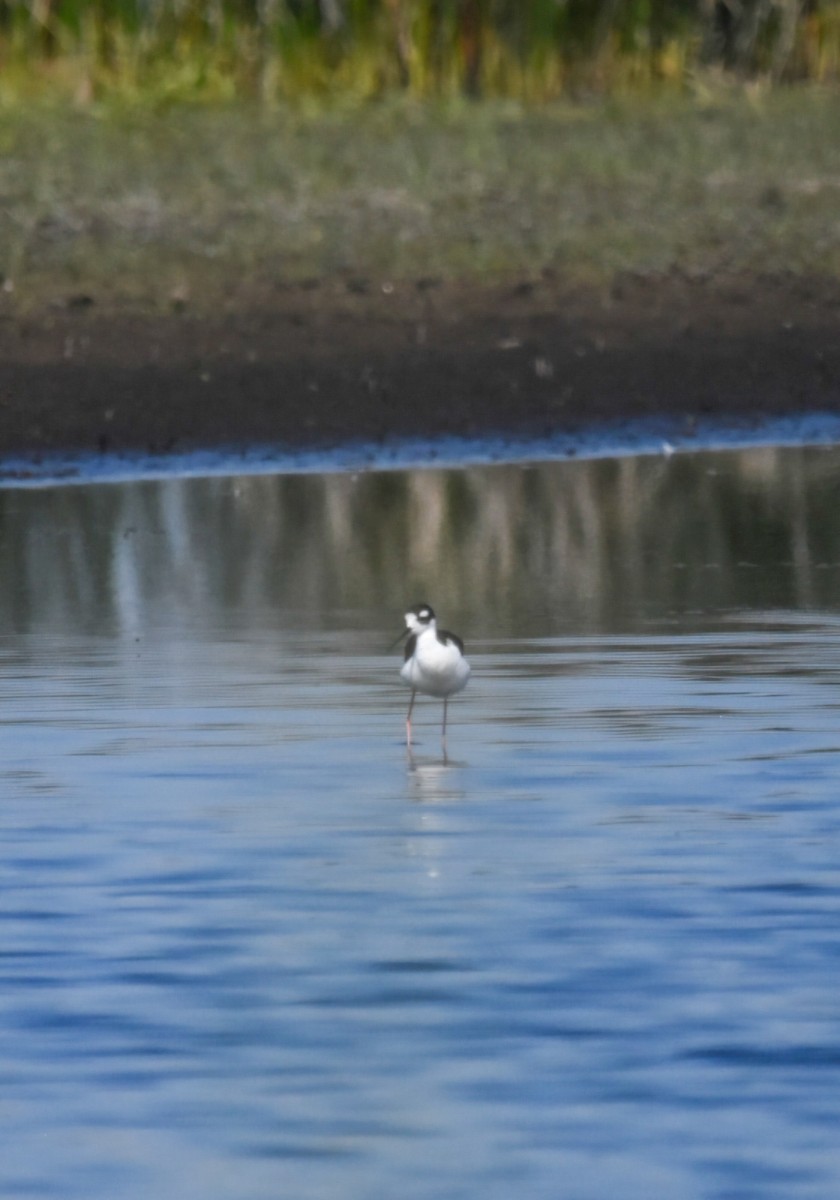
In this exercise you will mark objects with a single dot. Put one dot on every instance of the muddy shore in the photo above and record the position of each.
(320, 363)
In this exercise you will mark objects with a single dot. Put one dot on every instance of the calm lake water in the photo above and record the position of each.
(251, 949)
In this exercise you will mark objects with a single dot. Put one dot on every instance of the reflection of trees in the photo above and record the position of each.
(585, 545)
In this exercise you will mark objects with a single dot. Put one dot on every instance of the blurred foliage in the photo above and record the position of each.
(528, 49)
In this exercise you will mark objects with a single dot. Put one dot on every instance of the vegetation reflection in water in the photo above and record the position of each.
(578, 546)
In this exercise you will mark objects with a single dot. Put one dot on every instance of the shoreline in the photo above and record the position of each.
(661, 437)
(331, 365)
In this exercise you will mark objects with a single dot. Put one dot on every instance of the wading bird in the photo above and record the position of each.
(434, 661)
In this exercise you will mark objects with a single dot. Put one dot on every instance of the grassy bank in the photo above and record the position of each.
(199, 206)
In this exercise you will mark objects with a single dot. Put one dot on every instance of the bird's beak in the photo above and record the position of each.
(397, 641)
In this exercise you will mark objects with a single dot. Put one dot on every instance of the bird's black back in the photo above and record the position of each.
(444, 636)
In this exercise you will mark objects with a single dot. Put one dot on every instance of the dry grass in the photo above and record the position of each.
(138, 207)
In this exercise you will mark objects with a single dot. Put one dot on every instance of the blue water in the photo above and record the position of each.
(251, 948)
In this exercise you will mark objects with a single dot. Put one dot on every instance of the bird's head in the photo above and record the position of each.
(418, 618)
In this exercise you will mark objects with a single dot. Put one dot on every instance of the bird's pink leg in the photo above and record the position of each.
(408, 719)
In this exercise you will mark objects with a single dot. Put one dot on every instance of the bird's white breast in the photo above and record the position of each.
(436, 668)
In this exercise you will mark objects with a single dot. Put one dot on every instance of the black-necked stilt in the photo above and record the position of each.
(434, 661)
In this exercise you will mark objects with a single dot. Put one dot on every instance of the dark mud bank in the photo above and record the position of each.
(341, 368)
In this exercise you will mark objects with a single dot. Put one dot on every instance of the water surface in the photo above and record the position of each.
(251, 948)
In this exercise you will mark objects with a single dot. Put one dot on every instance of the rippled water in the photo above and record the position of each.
(249, 948)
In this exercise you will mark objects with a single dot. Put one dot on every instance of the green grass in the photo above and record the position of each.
(136, 207)
(534, 50)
